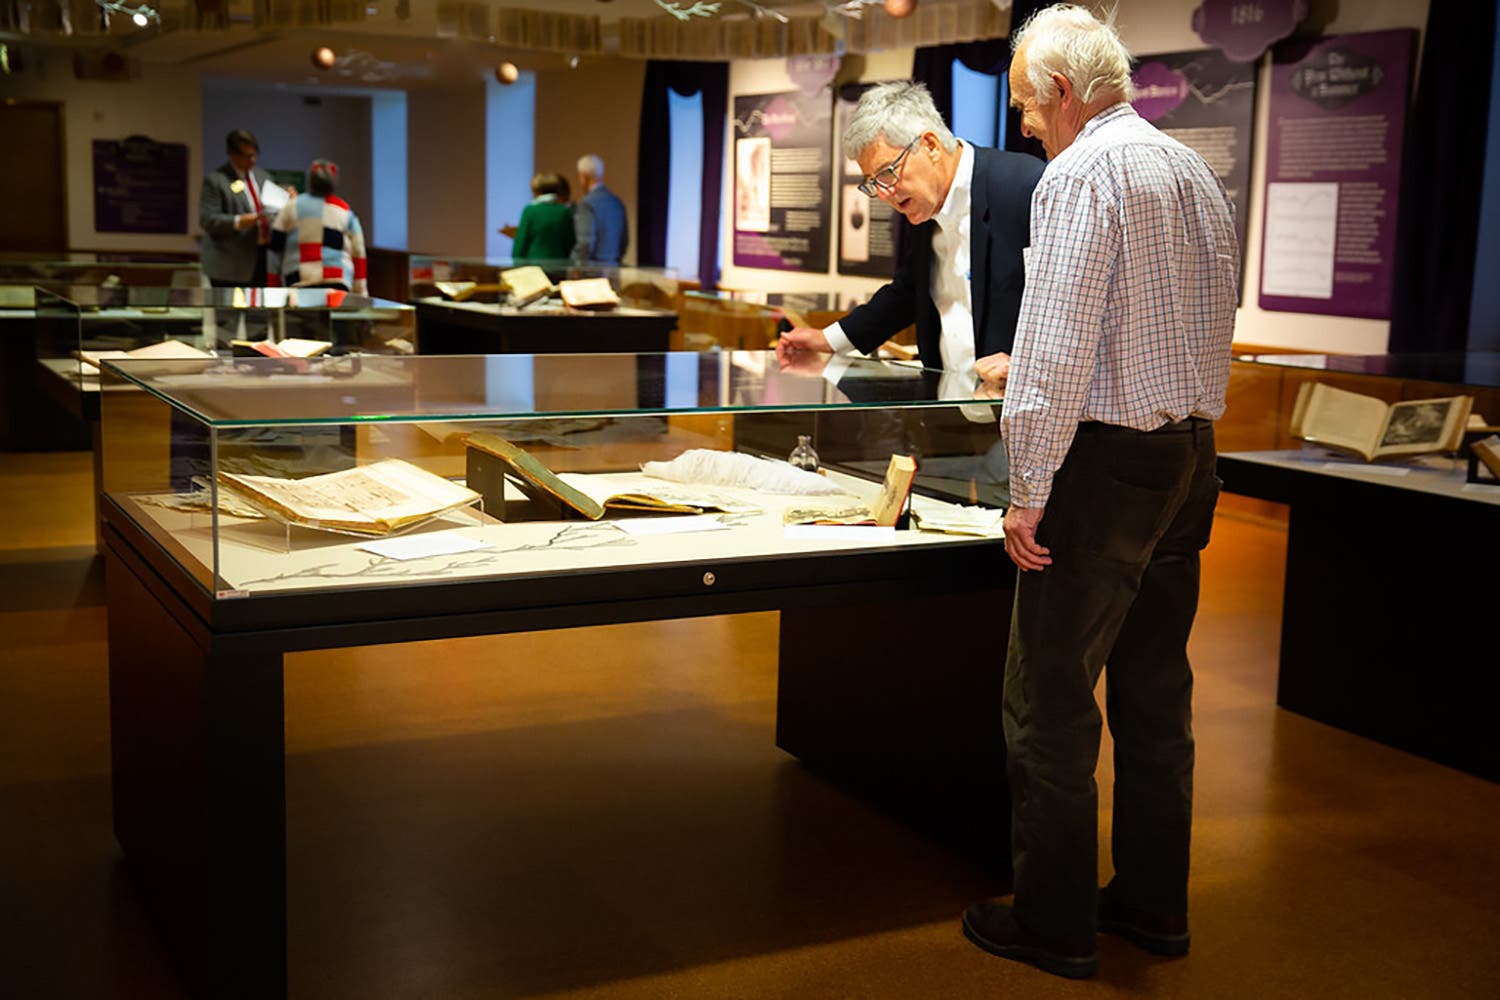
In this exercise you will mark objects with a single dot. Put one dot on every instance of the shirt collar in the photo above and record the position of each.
(1115, 112)
(956, 205)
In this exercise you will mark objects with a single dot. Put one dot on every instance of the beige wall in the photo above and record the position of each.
(445, 206)
(595, 108)
(161, 103)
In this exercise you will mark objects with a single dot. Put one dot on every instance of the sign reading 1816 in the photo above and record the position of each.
(1246, 13)
(1243, 29)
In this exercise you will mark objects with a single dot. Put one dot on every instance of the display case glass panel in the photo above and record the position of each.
(179, 438)
(78, 326)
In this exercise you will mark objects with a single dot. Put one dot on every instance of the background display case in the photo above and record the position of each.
(475, 316)
(205, 603)
(1390, 564)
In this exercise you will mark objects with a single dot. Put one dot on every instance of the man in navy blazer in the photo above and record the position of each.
(963, 274)
(599, 224)
(236, 227)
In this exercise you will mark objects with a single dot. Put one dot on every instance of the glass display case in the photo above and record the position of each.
(176, 434)
(20, 274)
(639, 287)
(77, 327)
(1351, 522)
(253, 510)
(465, 307)
(1263, 388)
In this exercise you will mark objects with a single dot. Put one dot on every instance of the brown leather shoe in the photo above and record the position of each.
(993, 927)
(1159, 933)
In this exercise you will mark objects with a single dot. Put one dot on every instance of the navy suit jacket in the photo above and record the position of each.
(601, 230)
(999, 229)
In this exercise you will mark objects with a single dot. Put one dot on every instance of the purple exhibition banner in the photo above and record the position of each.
(1207, 103)
(782, 153)
(867, 226)
(1243, 29)
(140, 186)
(1333, 172)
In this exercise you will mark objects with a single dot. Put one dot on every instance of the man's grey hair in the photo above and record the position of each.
(590, 164)
(1069, 40)
(897, 112)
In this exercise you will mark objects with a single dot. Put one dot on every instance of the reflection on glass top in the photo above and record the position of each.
(92, 297)
(264, 391)
(800, 301)
(1475, 368)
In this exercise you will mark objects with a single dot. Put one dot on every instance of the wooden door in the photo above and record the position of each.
(36, 207)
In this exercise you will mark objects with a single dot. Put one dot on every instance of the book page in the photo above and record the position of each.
(373, 498)
(1339, 418)
(298, 347)
(588, 293)
(642, 492)
(1421, 425)
(526, 284)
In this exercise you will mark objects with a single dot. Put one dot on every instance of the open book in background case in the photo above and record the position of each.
(1373, 429)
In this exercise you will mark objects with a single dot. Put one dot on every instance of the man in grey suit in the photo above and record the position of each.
(236, 227)
(599, 223)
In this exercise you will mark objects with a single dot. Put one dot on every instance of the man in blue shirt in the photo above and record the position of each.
(600, 228)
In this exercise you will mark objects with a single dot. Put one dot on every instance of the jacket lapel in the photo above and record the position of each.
(979, 244)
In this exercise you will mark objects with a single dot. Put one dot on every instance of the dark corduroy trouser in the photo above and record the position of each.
(1129, 513)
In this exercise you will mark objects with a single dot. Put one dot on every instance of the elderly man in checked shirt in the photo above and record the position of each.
(1119, 370)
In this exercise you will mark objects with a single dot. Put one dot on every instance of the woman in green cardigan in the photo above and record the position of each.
(546, 229)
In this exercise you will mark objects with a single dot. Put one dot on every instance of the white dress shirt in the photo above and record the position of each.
(950, 280)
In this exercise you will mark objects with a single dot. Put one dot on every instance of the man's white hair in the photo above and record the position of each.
(1069, 40)
(590, 164)
(898, 112)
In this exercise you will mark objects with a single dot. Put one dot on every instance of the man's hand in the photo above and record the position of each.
(508, 230)
(1020, 538)
(993, 367)
(801, 340)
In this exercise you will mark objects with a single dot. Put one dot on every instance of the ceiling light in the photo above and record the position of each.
(141, 13)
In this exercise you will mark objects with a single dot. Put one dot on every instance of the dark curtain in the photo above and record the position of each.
(1442, 181)
(934, 67)
(655, 160)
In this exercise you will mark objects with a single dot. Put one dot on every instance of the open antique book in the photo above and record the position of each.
(526, 284)
(492, 460)
(289, 347)
(375, 499)
(162, 349)
(1374, 429)
(588, 293)
(883, 512)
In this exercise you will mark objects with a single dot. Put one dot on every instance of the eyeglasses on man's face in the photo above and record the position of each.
(887, 176)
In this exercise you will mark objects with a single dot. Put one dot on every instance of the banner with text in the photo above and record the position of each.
(867, 226)
(1207, 103)
(140, 186)
(1333, 171)
(782, 163)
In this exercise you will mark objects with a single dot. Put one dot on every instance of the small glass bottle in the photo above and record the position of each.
(803, 456)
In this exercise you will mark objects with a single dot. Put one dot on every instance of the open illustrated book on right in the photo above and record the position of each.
(1374, 429)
